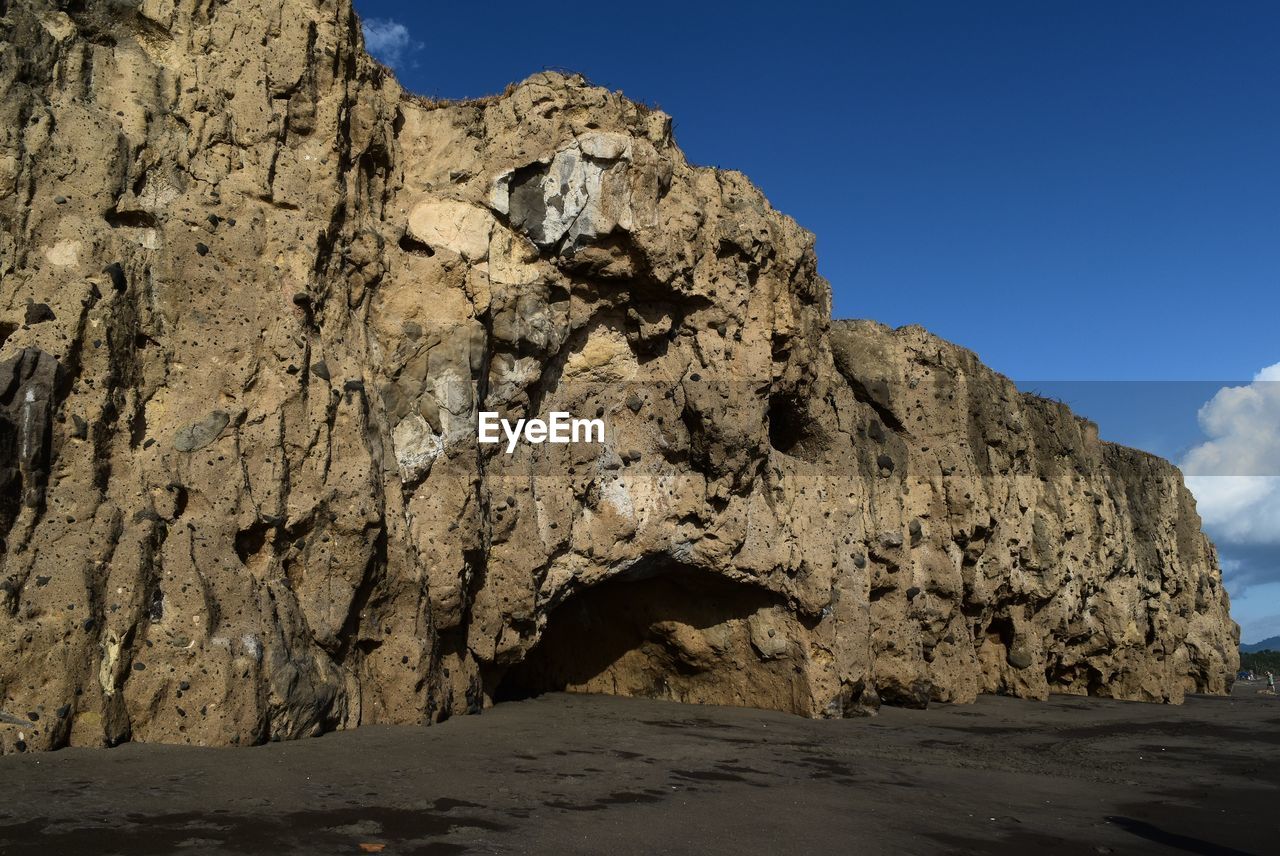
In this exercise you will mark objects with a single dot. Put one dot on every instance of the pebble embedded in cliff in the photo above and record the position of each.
(202, 433)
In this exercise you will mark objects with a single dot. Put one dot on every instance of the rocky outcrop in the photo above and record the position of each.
(252, 298)
(1033, 557)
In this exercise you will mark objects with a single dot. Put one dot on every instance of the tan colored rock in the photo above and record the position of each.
(252, 298)
(1038, 558)
(454, 226)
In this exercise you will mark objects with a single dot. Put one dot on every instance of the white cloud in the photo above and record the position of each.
(1243, 426)
(388, 41)
(1239, 509)
(1235, 476)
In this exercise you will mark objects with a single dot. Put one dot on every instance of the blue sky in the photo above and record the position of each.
(1082, 192)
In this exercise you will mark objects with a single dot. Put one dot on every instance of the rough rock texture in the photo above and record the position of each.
(252, 296)
(1036, 558)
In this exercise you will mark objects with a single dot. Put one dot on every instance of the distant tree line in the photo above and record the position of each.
(1260, 661)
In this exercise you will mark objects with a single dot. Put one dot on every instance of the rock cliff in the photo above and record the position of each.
(252, 298)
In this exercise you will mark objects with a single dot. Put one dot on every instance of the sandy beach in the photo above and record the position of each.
(592, 774)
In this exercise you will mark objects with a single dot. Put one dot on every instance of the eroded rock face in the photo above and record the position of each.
(1035, 558)
(244, 495)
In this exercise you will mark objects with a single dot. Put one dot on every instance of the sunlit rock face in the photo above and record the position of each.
(252, 299)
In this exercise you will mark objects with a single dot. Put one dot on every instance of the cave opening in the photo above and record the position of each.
(667, 631)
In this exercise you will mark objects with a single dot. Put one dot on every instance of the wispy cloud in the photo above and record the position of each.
(390, 42)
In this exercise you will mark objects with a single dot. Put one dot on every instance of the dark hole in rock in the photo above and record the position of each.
(179, 499)
(412, 245)
(131, 219)
(138, 425)
(38, 313)
(667, 632)
(118, 280)
(249, 542)
(699, 444)
(1000, 631)
(1096, 685)
(791, 429)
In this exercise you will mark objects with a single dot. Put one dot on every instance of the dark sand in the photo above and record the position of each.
(582, 774)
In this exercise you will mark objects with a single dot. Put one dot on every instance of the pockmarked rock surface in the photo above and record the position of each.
(252, 298)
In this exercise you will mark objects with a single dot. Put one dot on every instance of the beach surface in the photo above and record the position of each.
(596, 774)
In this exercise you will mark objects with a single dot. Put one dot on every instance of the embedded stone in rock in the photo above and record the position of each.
(417, 446)
(10, 719)
(455, 226)
(1019, 659)
(581, 194)
(202, 433)
(604, 146)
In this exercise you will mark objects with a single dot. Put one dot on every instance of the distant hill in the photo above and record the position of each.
(1271, 644)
